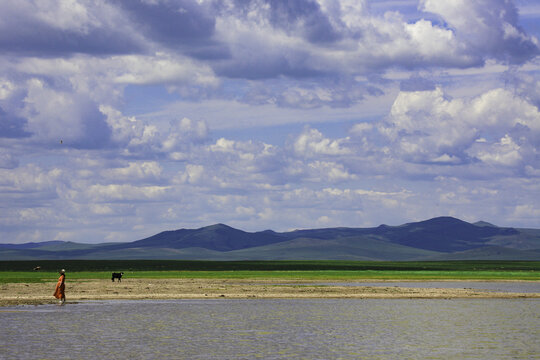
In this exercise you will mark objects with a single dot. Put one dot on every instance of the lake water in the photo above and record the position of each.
(497, 286)
(274, 329)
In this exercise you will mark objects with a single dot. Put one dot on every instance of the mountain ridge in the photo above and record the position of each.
(439, 237)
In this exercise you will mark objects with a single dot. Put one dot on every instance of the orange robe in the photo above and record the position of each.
(60, 287)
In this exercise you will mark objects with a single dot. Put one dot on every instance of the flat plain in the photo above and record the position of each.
(91, 280)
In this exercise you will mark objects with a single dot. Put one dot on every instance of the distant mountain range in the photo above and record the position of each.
(441, 238)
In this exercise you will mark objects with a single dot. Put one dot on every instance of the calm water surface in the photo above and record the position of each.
(274, 329)
(498, 286)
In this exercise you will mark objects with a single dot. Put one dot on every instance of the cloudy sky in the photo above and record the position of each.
(120, 119)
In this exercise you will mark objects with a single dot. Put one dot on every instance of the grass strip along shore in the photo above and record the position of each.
(22, 271)
(155, 279)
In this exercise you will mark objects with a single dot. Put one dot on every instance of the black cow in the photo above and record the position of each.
(117, 276)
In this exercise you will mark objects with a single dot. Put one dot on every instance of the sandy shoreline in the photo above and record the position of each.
(147, 289)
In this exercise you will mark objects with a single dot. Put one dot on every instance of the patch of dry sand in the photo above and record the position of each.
(138, 289)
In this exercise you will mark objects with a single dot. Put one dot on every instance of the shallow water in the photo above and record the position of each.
(498, 286)
(274, 329)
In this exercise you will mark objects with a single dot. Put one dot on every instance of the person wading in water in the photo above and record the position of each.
(60, 290)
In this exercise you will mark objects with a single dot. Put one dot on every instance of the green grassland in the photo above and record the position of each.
(22, 271)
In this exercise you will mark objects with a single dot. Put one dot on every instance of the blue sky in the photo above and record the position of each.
(121, 119)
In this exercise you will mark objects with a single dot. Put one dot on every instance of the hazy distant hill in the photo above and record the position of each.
(437, 238)
(217, 237)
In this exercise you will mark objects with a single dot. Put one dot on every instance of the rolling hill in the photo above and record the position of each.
(441, 238)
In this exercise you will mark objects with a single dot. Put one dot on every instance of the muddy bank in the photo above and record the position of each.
(76, 290)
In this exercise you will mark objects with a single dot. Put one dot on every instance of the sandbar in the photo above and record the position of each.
(160, 289)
